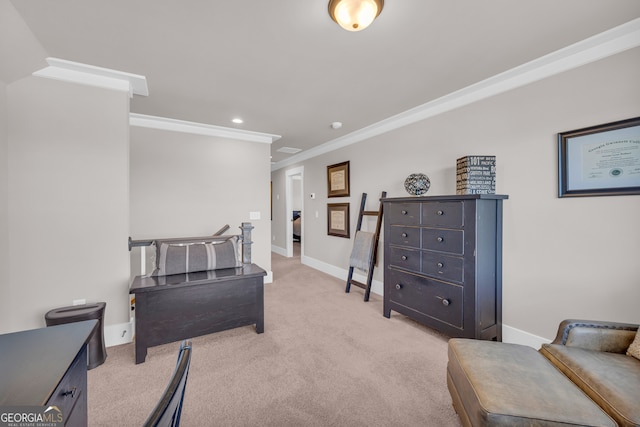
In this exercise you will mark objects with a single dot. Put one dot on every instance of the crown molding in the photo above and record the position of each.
(602, 45)
(154, 122)
(75, 72)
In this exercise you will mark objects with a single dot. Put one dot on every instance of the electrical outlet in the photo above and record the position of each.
(79, 301)
(127, 332)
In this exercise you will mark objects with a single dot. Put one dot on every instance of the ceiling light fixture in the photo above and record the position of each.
(355, 15)
(237, 120)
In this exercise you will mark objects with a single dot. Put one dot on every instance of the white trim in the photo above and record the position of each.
(607, 43)
(516, 336)
(175, 125)
(75, 72)
(122, 333)
(377, 287)
(509, 334)
(269, 277)
(288, 233)
(278, 250)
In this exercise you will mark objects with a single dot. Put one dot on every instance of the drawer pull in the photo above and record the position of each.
(404, 234)
(440, 239)
(404, 257)
(440, 213)
(445, 302)
(404, 212)
(398, 286)
(440, 265)
(71, 393)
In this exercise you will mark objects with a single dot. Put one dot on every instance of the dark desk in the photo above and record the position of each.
(47, 366)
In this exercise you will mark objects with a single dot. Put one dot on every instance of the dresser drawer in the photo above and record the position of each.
(404, 236)
(404, 258)
(403, 213)
(443, 240)
(445, 267)
(71, 391)
(443, 214)
(433, 298)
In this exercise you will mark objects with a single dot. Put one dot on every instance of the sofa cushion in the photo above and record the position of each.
(599, 338)
(612, 380)
(500, 384)
(634, 348)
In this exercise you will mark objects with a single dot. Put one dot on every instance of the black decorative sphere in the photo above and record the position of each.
(417, 184)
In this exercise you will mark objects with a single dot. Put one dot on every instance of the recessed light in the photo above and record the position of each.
(237, 120)
(336, 125)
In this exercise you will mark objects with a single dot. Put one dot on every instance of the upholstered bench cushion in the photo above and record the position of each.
(612, 380)
(499, 384)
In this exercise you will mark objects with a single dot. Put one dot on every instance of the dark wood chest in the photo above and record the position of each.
(443, 263)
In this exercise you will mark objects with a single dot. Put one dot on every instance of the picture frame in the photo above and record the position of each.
(602, 160)
(338, 220)
(338, 180)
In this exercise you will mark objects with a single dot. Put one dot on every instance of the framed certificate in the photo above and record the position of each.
(601, 160)
(338, 219)
(338, 180)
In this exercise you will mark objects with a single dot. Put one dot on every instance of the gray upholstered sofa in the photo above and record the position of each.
(583, 377)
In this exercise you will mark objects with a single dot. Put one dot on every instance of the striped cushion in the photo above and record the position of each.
(180, 258)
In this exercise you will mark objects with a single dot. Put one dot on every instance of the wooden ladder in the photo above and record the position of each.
(376, 237)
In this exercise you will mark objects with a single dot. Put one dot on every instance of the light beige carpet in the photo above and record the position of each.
(326, 358)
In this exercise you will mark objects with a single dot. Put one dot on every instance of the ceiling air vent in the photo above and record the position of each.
(289, 150)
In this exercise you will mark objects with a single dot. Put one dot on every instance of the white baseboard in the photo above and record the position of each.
(377, 286)
(280, 251)
(517, 336)
(122, 333)
(509, 333)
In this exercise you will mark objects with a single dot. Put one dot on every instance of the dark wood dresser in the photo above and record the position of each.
(47, 366)
(443, 263)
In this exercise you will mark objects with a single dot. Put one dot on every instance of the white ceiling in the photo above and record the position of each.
(287, 69)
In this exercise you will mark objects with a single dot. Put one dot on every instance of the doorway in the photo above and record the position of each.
(294, 212)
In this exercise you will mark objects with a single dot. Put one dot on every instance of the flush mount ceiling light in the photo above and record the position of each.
(355, 15)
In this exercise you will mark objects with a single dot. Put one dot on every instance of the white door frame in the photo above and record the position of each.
(289, 177)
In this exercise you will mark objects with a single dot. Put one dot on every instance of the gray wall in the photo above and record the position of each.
(296, 188)
(64, 189)
(192, 185)
(5, 302)
(66, 200)
(68, 204)
(562, 257)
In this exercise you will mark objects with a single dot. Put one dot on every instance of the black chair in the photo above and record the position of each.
(168, 410)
